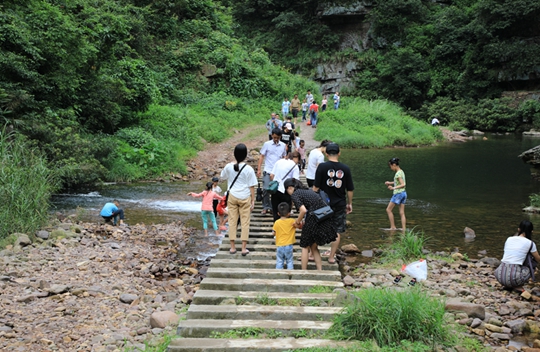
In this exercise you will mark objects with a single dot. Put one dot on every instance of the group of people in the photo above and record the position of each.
(307, 106)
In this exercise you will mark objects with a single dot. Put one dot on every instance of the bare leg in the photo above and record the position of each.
(244, 244)
(316, 256)
(305, 254)
(233, 248)
(402, 215)
(205, 232)
(333, 249)
(389, 209)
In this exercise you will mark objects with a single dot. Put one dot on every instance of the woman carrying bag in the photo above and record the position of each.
(241, 182)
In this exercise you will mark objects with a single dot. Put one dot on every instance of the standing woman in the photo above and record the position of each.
(512, 273)
(314, 233)
(400, 195)
(284, 169)
(241, 182)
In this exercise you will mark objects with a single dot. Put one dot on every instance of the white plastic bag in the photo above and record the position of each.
(417, 270)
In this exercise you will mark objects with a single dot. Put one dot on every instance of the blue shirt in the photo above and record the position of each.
(108, 209)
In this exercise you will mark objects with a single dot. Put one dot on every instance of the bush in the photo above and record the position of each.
(26, 184)
(389, 316)
(407, 246)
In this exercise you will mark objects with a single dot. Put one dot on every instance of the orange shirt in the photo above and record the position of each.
(314, 108)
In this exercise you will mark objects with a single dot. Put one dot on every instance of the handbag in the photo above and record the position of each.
(323, 213)
(274, 185)
(232, 184)
(530, 262)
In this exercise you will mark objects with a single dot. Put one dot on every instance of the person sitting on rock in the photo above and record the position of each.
(513, 272)
(111, 211)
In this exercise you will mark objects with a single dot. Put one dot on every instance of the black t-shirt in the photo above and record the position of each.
(287, 138)
(335, 179)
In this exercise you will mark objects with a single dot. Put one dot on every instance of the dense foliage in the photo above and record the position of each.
(422, 52)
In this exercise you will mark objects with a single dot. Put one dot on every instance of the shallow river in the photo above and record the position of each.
(481, 184)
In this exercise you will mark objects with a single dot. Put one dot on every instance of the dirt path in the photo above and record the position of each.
(213, 158)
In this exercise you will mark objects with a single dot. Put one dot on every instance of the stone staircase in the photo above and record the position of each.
(282, 309)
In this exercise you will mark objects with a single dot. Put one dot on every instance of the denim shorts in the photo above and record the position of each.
(399, 198)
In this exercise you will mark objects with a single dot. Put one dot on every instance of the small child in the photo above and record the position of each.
(302, 150)
(284, 230)
(223, 212)
(207, 210)
(323, 103)
(400, 195)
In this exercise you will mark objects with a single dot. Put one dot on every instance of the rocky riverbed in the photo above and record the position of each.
(500, 319)
(91, 287)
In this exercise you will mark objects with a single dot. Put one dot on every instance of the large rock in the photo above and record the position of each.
(162, 319)
(44, 235)
(22, 240)
(472, 310)
(469, 233)
(350, 248)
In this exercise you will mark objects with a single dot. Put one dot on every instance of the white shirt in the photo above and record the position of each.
(516, 249)
(272, 153)
(217, 189)
(246, 180)
(315, 158)
(282, 171)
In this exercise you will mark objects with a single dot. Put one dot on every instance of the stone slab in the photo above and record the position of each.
(217, 296)
(242, 345)
(262, 285)
(246, 312)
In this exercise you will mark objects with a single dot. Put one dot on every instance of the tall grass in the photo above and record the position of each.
(406, 246)
(390, 316)
(26, 184)
(361, 123)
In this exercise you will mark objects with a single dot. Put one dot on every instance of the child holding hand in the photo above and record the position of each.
(284, 230)
(207, 209)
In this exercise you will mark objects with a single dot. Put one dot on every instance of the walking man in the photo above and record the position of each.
(295, 107)
(271, 152)
(315, 158)
(335, 179)
(274, 122)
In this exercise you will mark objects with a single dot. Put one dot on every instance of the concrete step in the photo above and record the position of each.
(305, 299)
(205, 327)
(249, 261)
(263, 285)
(243, 312)
(243, 345)
(276, 274)
(226, 245)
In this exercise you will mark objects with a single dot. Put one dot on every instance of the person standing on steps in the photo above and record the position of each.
(271, 152)
(284, 231)
(295, 108)
(315, 158)
(284, 169)
(288, 137)
(241, 182)
(335, 179)
(274, 122)
(400, 194)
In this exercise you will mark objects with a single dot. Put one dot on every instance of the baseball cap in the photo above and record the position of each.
(332, 148)
(288, 126)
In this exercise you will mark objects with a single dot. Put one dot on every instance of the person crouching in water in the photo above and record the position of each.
(207, 209)
(111, 211)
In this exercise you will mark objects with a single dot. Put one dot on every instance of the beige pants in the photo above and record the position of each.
(239, 207)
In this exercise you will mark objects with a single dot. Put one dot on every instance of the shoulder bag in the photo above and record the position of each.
(274, 185)
(530, 262)
(325, 212)
(232, 184)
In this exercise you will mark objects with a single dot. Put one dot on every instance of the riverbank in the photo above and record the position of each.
(92, 287)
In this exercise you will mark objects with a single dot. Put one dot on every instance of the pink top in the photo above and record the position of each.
(302, 152)
(207, 199)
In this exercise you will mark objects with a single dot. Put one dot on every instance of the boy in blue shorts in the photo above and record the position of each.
(284, 230)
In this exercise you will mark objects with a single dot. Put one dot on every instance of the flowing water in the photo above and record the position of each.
(481, 184)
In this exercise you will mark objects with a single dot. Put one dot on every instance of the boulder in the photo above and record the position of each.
(350, 248)
(44, 235)
(162, 319)
(472, 310)
(127, 298)
(22, 240)
(348, 280)
(469, 233)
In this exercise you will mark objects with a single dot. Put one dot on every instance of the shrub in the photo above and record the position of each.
(406, 246)
(26, 184)
(389, 316)
(535, 200)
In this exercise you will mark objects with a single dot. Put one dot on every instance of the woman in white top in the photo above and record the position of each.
(284, 169)
(512, 273)
(241, 196)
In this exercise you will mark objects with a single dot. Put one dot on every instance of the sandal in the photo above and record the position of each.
(231, 252)
(245, 253)
(326, 253)
(332, 261)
